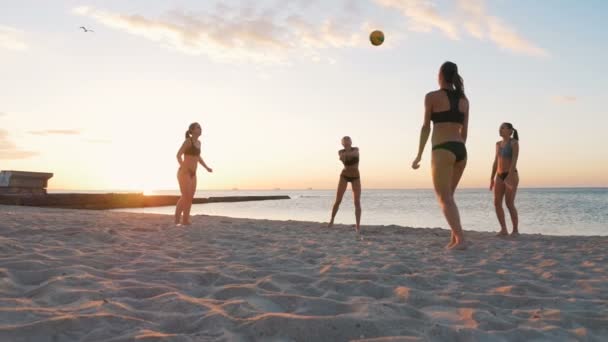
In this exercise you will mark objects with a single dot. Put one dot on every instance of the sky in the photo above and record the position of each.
(275, 84)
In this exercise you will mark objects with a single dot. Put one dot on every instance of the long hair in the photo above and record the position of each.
(449, 71)
(510, 126)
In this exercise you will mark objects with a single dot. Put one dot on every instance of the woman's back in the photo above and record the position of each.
(449, 114)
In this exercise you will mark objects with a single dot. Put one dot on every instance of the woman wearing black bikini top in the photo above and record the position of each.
(350, 174)
(186, 174)
(448, 108)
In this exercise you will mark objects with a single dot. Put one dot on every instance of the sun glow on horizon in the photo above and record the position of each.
(276, 92)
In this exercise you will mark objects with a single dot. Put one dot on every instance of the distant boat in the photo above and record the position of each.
(276, 189)
(235, 189)
(309, 189)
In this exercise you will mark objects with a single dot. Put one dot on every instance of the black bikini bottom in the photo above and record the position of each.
(349, 179)
(503, 175)
(456, 147)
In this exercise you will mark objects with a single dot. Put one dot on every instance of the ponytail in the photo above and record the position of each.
(510, 126)
(449, 71)
(459, 85)
(191, 128)
(515, 135)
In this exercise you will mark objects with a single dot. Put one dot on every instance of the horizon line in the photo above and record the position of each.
(309, 189)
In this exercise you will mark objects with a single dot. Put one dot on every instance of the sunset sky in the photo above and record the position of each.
(277, 83)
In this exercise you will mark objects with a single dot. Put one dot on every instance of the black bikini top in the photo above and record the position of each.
(192, 150)
(451, 115)
(349, 161)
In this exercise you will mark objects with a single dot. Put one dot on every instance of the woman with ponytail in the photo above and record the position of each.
(448, 109)
(507, 179)
(188, 157)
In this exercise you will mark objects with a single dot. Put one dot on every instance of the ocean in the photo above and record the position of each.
(554, 211)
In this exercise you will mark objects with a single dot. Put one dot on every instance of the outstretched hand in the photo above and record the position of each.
(209, 169)
(416, 163)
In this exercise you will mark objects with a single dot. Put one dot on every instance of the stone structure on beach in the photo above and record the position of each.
(24, 182)
(29, 189)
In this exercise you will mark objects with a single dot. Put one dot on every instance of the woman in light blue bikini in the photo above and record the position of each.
(507, 179)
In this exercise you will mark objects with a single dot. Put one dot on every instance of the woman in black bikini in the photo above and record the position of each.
(186, 175)
(507, 179)
(350, 174)
(448, 108)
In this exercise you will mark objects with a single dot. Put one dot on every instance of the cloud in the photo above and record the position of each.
(272, 34)
(8, 150)
(16, 154)
(2, 114)
(564, 99)
(483, 26)
(423, 16)
(472, 15)
(11, 39)
(55, 132)
(240, 34)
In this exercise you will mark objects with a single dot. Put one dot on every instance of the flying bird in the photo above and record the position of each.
(85, 29)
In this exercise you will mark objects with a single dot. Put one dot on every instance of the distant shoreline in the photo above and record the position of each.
(313, 189)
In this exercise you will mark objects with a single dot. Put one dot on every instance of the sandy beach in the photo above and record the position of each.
(77, 275)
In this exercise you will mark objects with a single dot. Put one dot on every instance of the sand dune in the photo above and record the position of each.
(68, 275)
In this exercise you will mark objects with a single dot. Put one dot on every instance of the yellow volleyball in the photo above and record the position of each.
(376, 38)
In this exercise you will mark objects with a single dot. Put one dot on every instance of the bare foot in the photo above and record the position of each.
(330, 224)
(186, 223)
(514, 233)
(359, 233)
(452, 241)
(459, 246)
(502, 233)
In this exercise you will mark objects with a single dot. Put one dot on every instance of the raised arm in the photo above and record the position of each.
(354, 152)
(425, 131)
